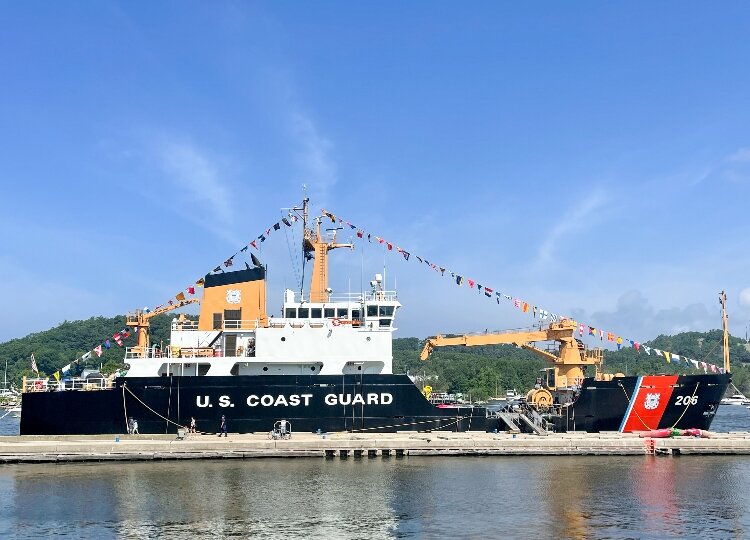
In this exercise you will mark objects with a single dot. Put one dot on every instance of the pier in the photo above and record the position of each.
(46, 449)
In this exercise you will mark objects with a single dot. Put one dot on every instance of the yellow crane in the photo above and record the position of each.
(140, 321)
(568, 365)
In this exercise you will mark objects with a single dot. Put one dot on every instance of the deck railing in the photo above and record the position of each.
(353, 297)
(68, 383)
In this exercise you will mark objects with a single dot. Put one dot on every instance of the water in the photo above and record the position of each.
(488, 497)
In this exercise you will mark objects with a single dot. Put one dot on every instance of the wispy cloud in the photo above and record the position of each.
(314, 156)
(574, 220)
(740, 156)
(745, 298)
(733, 167)
(636, 318)
(737, 169)
(197, 178)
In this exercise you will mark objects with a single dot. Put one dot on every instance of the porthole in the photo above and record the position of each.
(368, 338)
(312, 368)
(283, 339)
(359, 368)
(265, 368)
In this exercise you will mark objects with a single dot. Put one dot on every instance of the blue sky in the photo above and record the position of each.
(590, 158)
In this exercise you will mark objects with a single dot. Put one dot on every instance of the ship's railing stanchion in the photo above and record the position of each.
(240, 324)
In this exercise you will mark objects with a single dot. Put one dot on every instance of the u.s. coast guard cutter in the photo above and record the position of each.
(323, 363)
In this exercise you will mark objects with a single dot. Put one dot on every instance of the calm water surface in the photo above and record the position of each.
(490, 497)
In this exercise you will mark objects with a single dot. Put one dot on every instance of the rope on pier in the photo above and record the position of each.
(125, 409)
(124, 387)
(458, 419)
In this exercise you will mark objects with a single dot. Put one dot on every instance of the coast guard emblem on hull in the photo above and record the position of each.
(652, 401)
(234, 296)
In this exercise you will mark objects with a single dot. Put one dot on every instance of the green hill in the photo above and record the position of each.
(479, 371)
(64, 343)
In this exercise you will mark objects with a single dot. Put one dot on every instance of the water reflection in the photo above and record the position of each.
(561, 497)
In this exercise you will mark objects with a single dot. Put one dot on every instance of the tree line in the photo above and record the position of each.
(481, 372)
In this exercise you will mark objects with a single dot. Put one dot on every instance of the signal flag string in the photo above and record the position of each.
(527, 307)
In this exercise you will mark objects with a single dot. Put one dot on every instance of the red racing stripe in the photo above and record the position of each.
(650, 402)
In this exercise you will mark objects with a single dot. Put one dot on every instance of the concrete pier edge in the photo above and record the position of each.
(62, 449)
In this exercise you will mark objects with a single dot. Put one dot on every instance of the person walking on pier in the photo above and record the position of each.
(192, 424)
(223, 426)
(135, 427)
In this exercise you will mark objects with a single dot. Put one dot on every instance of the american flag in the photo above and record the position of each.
(33, 364)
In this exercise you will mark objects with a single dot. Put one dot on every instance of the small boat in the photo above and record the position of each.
(512, 395)
(738, 398)
(509, 397)
(15, 412)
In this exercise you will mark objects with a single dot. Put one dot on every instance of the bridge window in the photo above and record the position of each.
(291, 313)
(342, 312)
(304, 313)
(355, 314)
(372, 311)
(316, 313)
(385, 323)
(217, 321)
(386, 311)
(329, 312)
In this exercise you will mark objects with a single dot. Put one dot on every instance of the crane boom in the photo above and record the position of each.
(553, 333)
(569, 364)
(140, 320)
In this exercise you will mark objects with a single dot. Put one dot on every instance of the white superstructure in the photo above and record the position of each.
(344, 335)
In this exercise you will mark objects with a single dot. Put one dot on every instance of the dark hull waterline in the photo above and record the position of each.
(360, 403)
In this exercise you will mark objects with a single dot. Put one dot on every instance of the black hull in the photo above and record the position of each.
(639, 403)
(623, 404)
(359, 403)
(362, 403)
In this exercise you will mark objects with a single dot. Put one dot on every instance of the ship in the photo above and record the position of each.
(324, 363)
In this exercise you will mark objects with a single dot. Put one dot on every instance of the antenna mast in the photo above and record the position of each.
(316, 248)
(723, 302)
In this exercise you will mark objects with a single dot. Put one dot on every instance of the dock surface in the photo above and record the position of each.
(28, 449)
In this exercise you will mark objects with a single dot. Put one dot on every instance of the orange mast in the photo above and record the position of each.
(724, 318)
(313, 244)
